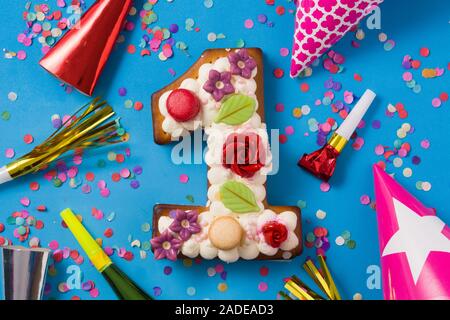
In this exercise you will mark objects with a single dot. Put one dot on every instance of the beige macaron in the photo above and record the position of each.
(225, 233)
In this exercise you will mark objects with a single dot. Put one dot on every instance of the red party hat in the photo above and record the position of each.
(80, 56)
(414, 244)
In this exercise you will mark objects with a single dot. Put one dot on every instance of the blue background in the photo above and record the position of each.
(412, 24)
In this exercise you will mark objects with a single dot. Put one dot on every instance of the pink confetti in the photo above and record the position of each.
(105, 193)
(325, 186)
(125, 173)
(359, 142)
(289, 130)
(279, 107)
(284, 52)
(219, 268)
(101, 184)
(184, 178)
(94, 293)
(53, 245)
(10, 153)
(249, 23)
(72, 172)
(77, 159)
(25, 201)
(379, 150)
(86, 188)
(365, 199)
(425, 144)
(407, 76)
(21, 55)
(262, 286)
(98, 214)
(436, 102)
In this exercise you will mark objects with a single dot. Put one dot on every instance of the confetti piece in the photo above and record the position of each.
(12, 96)
(248, 23)
(320, 214)
(184, 178)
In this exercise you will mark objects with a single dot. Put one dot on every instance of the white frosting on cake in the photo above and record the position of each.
(209, 107)
(253, 242)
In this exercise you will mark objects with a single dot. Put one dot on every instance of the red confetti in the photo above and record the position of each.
(264, 271)
(120, 158)
(278, 73)
(424, 52)
(128, 256)
(280, 10)
(138, 106)
(357, 77)
(131, 49)
(74, 254)
(39, 224)
(90, 176)
(115, 177)
(34, 186)
(415, 64)
(108, 233)
(304, 87)
(28, 139)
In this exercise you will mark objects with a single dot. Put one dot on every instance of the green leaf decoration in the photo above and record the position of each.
(237, 197)
(236, 110)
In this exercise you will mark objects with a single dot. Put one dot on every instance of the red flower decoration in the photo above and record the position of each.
(275, 233)
(243, 154)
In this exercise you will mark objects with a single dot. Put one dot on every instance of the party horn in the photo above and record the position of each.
(123, 286)
(321, 277)
(80, 55)
(320, 24)
(322, 162)
(88, 130)
(24, 272)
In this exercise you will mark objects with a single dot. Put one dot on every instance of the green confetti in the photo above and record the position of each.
(145, 227)
(301, 204)
(101, 163)
(346, 235)
(57, 182)
(351, 244)
(310, 237)
(6, 115)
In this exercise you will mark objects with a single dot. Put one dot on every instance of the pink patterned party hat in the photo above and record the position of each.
(414, 244)
(319, 24)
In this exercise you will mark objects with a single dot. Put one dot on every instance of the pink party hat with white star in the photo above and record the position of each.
(414, 244)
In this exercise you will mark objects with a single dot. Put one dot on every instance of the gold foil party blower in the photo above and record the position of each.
(321, 277)
(87, 128)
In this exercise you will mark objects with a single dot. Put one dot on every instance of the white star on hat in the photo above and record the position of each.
(416, 236)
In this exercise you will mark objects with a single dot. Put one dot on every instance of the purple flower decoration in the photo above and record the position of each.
(185, 223)
(219, 84)
(241, 63)
(166, 246)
